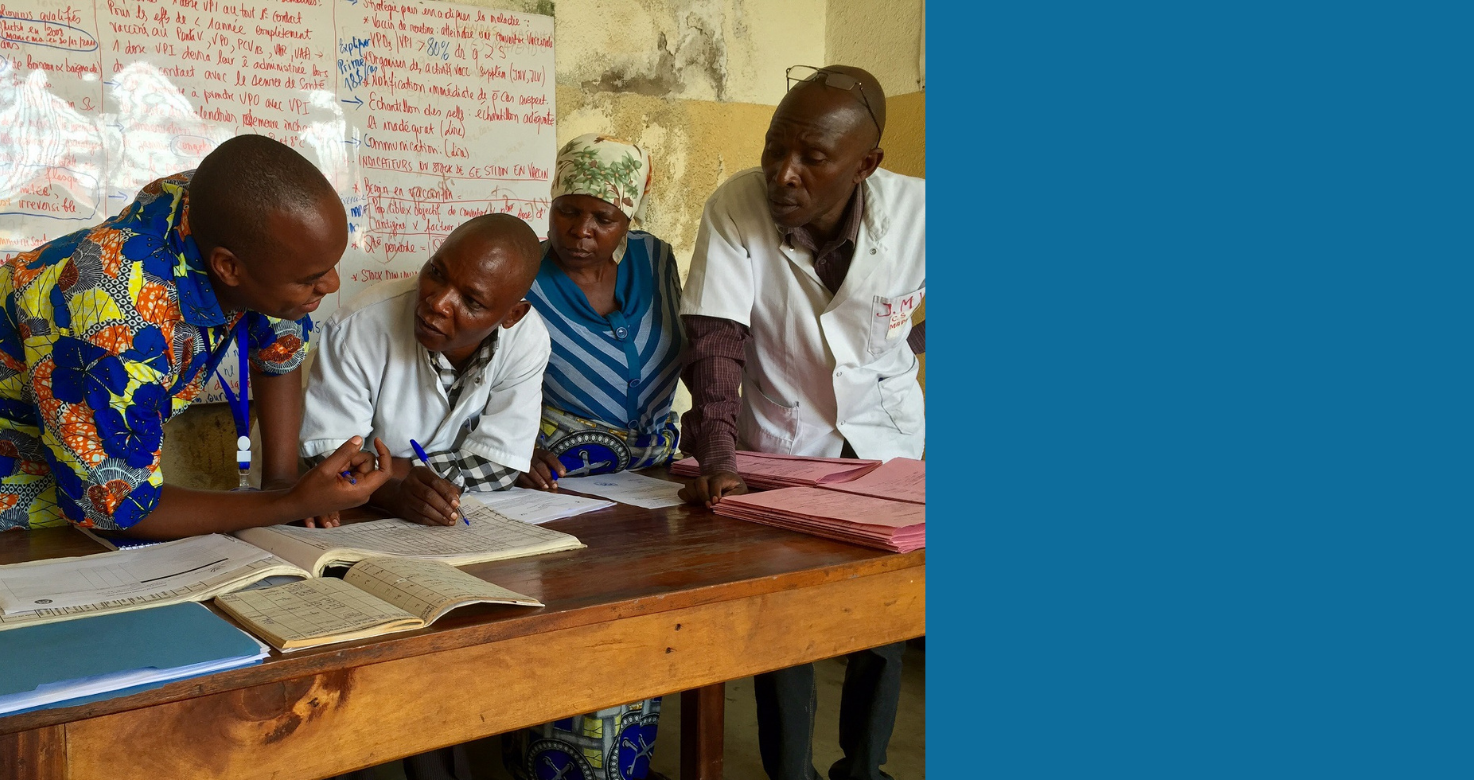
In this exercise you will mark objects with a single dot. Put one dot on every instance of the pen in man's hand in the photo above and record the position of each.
(425, 459)
(348, 475)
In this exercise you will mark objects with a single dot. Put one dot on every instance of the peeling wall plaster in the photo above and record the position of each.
(720, 50)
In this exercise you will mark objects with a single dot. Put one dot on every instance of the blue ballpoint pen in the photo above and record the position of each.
(425, 459)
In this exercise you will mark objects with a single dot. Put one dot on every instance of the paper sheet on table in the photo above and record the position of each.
(540, 506)
(900, 479)
(626, 488)
(179, 571)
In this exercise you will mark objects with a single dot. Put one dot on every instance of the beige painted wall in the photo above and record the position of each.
(695, 81)
(881, 36)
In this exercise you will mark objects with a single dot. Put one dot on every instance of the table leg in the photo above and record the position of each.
(702, 717)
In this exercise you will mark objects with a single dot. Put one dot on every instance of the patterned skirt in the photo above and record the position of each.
(589, 447)
(615, 743)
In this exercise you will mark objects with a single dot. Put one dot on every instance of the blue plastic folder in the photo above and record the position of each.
(78, 661)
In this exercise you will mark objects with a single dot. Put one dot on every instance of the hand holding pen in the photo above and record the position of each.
(440, 494)
(331, 519)
(324, 490)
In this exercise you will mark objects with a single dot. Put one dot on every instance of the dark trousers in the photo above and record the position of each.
(787, 699)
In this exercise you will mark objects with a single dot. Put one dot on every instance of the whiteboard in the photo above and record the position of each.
(421, 114)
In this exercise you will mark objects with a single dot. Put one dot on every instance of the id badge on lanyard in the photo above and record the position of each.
(240, 407)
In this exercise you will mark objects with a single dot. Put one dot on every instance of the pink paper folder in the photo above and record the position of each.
(899, 526)
(898, 479)
(765, 470)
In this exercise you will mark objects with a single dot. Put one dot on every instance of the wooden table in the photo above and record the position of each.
(659, 602)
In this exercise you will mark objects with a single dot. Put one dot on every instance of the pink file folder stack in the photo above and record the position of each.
(765, 471)
(883, 507)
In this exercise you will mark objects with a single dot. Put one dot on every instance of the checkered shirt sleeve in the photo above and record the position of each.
(472, 472)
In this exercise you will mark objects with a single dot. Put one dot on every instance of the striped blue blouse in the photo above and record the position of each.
(620, 370)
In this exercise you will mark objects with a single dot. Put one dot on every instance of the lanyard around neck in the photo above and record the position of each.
(240, 401)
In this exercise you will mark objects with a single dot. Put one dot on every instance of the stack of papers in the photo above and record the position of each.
(900, 479)
(766, 471)
(885, 509)
(63, 664)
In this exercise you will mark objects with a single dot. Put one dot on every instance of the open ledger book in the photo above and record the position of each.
(491, 536)
(377, 596)
(194, 569)
(202, 567)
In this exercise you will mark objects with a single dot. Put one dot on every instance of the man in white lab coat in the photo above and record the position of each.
(803, 282)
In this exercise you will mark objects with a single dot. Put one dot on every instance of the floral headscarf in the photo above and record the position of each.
(614, 171)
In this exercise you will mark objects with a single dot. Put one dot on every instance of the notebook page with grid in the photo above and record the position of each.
(427, 589)
(315, 611)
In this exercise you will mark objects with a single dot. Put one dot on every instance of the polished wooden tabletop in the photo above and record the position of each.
(637, 562)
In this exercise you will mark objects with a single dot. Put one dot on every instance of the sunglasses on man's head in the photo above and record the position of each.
(801, 74)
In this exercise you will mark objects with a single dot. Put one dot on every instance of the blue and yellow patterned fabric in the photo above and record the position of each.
(106, 334)
(616, 743)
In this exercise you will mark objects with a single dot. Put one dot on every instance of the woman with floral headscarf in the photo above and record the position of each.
(609, 296)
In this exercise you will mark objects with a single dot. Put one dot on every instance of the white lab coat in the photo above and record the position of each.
(372, 378)
(821, 369)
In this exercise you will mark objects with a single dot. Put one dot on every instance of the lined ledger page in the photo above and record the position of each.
(194, 569)
(491, 536)
(316, 611)
(428, 589)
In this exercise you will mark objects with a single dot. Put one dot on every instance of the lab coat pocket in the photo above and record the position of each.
(901, 397)
(764, 425)
(890, 319)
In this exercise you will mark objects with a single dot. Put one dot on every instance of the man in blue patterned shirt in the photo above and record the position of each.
(109, 332)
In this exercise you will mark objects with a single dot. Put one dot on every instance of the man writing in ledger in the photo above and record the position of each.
(452, 358)
(110, 331)
(801, 290)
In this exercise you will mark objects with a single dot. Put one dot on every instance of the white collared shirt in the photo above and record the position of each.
(821, 368)
(371, 377)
